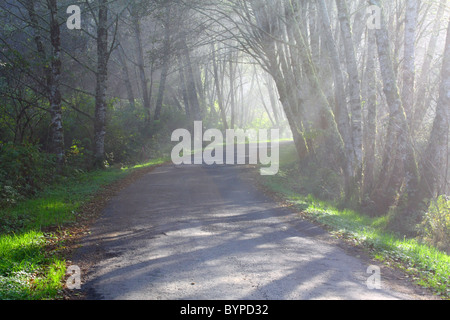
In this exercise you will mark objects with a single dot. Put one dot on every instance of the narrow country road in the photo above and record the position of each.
(203, 232)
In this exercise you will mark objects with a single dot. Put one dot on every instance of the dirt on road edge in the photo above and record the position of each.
(72, 234)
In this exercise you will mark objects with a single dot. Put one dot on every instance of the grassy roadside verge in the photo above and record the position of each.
(35, 234)
(426, 265)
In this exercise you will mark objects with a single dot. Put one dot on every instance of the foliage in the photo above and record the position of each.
(24, 170)
(133, 139)
(77, 156)
(435, 227)
(312, 177)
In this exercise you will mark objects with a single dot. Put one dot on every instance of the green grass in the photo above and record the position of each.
(28, 270)
(427, 265)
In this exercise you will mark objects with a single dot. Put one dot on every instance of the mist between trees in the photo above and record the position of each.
(363, 93)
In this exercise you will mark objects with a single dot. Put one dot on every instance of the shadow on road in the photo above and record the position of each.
(202, 232)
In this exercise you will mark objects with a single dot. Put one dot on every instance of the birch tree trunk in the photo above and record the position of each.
(420, 108)
(307, 77)
(190, 82)
(126, 74)
(314, 30)
(218, 88)
(341, 112)
(371, 122)
(273, 101)
(141, 66)
(183, 88)
(56, 126)
(232, 91)
(399, 164)
(288, 91)
(101, 77)
(409, 69)
(41, 54)
(354, 83)
(165, 66)
(51, 73)
(436, 152)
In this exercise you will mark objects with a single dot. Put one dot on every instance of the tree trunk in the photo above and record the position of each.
(161, 90)
(126, 74)
(314, 32)
(359, 23)
(287, 89)
(190, 82)
(341, 112)
(52, 74)
(371, 122)
(354, 83)
(273, 100)
(141, 66)
(183, 88)
(165, 66)
(421, 107)
(56, 127)
(46, 70)
(399, 163)
(232, 91)
(101, 77)
(409, 69)
(436, 153)
(219, 89)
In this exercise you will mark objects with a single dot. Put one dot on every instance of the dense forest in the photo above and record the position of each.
(362, 88)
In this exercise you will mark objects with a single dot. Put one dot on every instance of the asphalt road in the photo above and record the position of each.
(203, 232)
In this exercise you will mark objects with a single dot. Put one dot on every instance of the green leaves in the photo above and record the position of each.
(24, 170)
(435, 227)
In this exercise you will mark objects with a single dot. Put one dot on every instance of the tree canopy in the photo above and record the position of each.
(362, 87)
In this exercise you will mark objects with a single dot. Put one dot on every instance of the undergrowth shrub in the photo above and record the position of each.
(24, 170)
(435, 228)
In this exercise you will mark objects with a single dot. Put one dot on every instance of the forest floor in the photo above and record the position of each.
(208, 233)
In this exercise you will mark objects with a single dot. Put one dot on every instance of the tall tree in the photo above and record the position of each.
(51, 66)
(370, 128)
(399, 163)
(144, 81)
(420, 106)
(231, 75)
(190, 79)
(341, 112)
(409, 69)
(219, 88)
(126, 75)
(101, 86)
(56, 126)
(354, 82)
(436, 154)
(166, 52)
